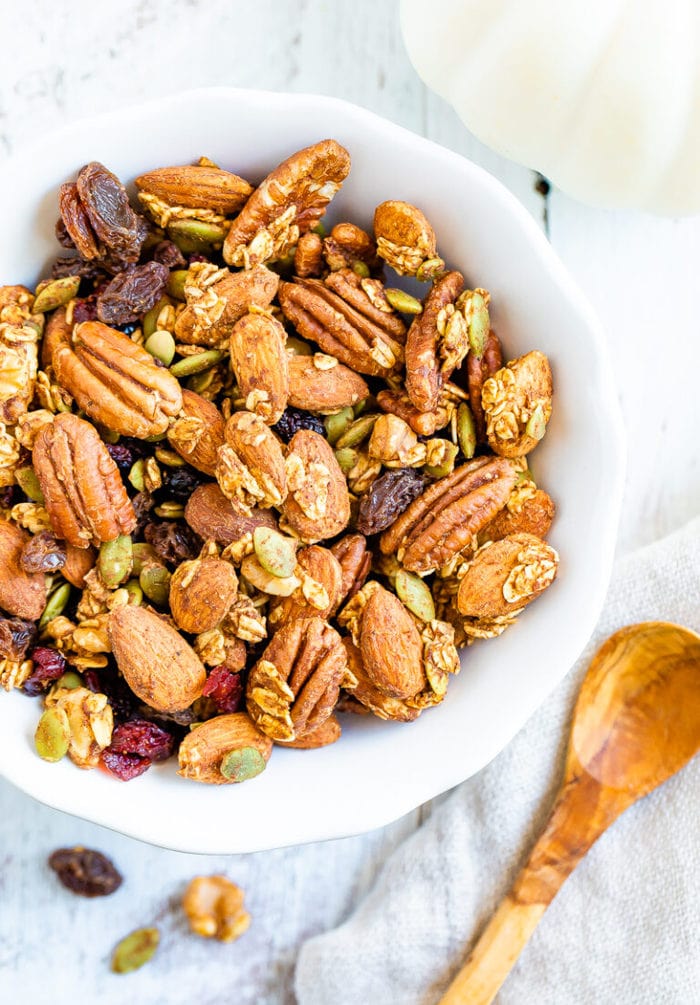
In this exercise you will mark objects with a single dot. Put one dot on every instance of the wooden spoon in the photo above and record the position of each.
(636, 723)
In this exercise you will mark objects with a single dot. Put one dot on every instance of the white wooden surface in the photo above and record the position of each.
(63, 61)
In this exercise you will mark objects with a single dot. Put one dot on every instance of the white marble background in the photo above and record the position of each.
(61, 61)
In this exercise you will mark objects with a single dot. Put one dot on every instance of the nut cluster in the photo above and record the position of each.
(247, 482)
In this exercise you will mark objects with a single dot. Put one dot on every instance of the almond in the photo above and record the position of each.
(201, 592)
(78, 563)
(504, 576)
(197, 187)
(319, 383)
(259, 361)
(320, 578)
(209, 318)
(251, 467)
(158, 665)
(227, 748)
(317, 505)
(198, 432)
(22, 594)
(216, 518)
(391, 646)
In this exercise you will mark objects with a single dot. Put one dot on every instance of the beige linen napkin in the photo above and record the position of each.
(624, 929)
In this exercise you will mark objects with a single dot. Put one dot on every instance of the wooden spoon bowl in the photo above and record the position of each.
(636, 723)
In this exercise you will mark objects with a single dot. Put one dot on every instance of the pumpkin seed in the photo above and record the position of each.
(338, 423)
(242, 764)
(135, 950)
(357, 432)
(55, 605)
(431, 268)
(197, 364)
(414, 593)
(52, 736)
(536, 424)
(170, 510)
(150, 320)
(347, 459)
(169, 457)
(137, 473)
(266, 582)
(29, 483)
(447, 464)
(196, 235)
(155, 583)
(319, 228)
(477, 315)
(276, 553)
(142, 555)
(115, 561)
(161, 345)
(361, 269)
(403, 302)
(176, 284)
(69, 681)
(55, 293)
(135, 592)
(466, 430)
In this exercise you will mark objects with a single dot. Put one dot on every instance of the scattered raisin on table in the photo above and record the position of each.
(295, 419)
(84, 871)
(387, 498)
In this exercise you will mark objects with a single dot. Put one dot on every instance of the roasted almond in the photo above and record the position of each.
(201, 592)
(197, 187)
(214, 307)
(317, 505)
(504, 576)
(198, 432)
(318, 593)
(259, 361)
(214, 517)
(22, 594)
(251, 467)
(319, 383)
(227, 748)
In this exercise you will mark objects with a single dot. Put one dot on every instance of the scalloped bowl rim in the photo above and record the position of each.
(344, 790)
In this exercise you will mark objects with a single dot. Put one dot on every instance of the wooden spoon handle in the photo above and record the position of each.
(494, 955)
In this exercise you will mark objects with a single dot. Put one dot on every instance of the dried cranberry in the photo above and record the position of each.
(86, 872)
(295, 419)
(168, 253)
(225, 689)
(180, 483)
(173, 542)
(108, 681)
(16, 636)
(49, 665)
(142, 737)
(122, 456)
(125, 766)
(43, 553)
(386, 499)
(85, 309)
(132, 293)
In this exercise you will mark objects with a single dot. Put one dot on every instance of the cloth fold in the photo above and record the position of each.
(623, 929)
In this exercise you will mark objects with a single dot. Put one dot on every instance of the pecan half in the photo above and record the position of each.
(57, 331)
(405, 240)
(214, 517)
(504, 576)
(198, 432)
(116, 382)
(347, 245)
(217, 298)
(479, 368)
(318, 594)
(429, 361)
(22, 593)
(443, 521)
(196, 186)
(251, 467)
(317, 505)
(355, 561)
(308, 257)
(295, 685)
(83, 491)
(286, 204)
(339, 317)
(259, 361)
(422, 423)
(319, 383)
(328, 732)
(517, 404)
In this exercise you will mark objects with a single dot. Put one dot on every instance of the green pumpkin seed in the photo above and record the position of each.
(155, 583)
(196, 235)
(29, 483)
(319, 228)
(276, 553)
(431, 268)
(134, 950)
(176, 284)
(136, 474)
(361, 407)
(524, 476)
(242, 764)
(135, 592)
(357, 432)
(447, 465)
(55, 293)
(69, 680)
(414, 593)
(347, 459)
(338, 423)
(197, 364)
(403, 302)
(55, 605)
(536, 424)
(169, 457)
(361, 269)
(52, 736)
(142, 555)
(156, 438)
(477, 314)
(150, 320)
(170, 510)
(161, 345)
(108, 435)
(115, 561)
(466, 430)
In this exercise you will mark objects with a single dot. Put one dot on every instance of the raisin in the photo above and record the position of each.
(76, 222)
(387, 498)
(9, 495)
(122, 455)
(65, 266)
(142, 737)
(295, 419)
(105, 202)
(225, 689)
(173, 542)
(16, 636)
(180, 483)
(125, 766)
(168, 253)
(43, 553)
(85, 871)
(85, 309)
(132, 293)
(63, 237)
(143, 503)
(49, 665)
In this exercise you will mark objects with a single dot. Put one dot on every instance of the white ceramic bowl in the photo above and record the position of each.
(378, 770)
